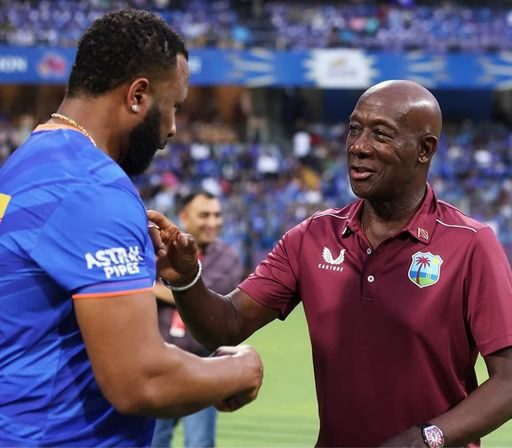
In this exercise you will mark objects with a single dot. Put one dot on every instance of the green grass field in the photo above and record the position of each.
(285, 413)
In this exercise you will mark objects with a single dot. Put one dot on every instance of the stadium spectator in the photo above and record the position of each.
(448, 27)
(94, 371)
(201, 216)
(400, 290)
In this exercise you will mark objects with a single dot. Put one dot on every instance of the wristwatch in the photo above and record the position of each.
(432, 435)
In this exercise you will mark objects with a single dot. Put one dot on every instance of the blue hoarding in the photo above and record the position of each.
(323, 68)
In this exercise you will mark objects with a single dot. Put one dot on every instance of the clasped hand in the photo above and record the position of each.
(176, 251)
(176, 254)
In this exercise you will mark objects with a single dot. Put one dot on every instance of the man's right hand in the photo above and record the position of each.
(251, 369)
(176, 251)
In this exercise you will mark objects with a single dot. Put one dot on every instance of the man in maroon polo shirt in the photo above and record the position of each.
(401, 292)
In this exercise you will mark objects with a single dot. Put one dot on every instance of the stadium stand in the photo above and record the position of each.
(389, 26)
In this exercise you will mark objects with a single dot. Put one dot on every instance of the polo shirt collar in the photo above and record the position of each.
(420, 227)
(353, 223)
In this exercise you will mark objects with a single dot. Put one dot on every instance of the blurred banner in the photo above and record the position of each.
(329, 68)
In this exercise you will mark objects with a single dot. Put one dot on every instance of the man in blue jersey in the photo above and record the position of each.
(82, 362)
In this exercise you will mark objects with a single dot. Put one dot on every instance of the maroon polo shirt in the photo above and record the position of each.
(395, 331)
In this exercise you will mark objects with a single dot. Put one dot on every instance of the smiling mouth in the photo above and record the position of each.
(360, 172)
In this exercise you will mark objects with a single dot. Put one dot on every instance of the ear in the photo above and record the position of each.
(138, 96)
(428, 147)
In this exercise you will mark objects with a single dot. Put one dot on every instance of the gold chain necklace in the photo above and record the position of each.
(74, 124)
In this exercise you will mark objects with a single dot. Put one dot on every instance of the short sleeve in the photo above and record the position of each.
(489, 292)
(275, 281)
(96, 243)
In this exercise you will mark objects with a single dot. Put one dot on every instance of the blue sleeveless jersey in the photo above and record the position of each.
(72, 226)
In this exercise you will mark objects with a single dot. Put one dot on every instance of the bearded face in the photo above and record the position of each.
(143, 142)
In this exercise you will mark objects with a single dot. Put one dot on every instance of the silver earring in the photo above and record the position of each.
(135, 108)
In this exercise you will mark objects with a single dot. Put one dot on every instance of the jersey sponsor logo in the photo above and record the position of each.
(331, 263)
(116, 261)
(4, 202)
(425, 269)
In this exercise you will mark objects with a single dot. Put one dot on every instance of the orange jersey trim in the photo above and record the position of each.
(96, 295)
(55, 127)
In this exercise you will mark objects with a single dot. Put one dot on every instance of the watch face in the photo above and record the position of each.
(433, 437)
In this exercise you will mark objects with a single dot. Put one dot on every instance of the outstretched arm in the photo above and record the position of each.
(221, 320)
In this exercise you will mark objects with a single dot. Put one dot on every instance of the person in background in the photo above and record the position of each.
(401, 291)
(81, 360)
(200, 216)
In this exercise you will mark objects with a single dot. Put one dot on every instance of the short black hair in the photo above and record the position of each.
(121, 46)
(187, 199)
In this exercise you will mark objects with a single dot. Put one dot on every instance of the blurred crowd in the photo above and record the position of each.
(267, 188)
(389, 26)
(443, 28)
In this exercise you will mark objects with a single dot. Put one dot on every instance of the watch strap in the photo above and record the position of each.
(432, 435)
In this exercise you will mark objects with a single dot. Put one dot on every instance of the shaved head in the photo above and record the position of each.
(393, 135)
(411, 100)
